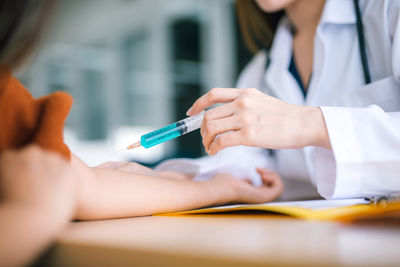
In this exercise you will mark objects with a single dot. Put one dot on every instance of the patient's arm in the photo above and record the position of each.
(109, 193)
(38, 198)
(138, 168)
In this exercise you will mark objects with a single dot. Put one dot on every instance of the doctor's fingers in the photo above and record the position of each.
(217, 113)
(218, 127)
(214, 96)
(228, 139)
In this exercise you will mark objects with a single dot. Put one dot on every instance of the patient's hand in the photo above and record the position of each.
(245, 192)
(140, 169)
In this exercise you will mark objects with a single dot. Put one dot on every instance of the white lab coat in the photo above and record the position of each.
(363, 121)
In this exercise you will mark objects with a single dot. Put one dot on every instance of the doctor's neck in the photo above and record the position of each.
(305, 14)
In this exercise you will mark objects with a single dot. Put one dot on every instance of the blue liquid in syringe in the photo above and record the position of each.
(170, 132)
(164, 134)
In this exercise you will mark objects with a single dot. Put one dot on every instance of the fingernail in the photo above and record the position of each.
(211, 152)
(189, 111)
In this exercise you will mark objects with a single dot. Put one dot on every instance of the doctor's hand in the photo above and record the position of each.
(252, 118)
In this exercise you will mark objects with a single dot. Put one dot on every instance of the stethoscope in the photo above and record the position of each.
(361, 44)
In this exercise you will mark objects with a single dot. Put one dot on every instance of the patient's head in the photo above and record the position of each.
(21, 24)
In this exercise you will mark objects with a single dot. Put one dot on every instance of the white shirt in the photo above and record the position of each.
(363, 121)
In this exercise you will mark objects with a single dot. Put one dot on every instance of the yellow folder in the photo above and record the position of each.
(321, 210)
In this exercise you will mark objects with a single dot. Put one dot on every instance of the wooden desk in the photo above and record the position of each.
(228, 240)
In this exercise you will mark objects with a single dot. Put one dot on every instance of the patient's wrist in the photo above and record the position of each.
(221, 188)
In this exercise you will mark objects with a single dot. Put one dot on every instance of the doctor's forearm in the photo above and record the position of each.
(314, 131)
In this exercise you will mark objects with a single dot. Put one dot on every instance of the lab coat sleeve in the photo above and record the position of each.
(365, 156)
(240, 161)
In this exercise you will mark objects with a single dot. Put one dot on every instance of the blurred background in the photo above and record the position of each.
(133, 66)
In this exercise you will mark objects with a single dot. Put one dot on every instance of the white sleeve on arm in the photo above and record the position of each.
(240, 161)
(365, 156)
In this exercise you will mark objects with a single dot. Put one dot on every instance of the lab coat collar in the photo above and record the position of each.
(338, 12)
(278, 78)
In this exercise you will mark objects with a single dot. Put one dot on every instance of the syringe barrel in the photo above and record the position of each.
(191, 123)
(172, 131)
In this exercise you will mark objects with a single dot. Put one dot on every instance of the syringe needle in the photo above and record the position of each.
(134, 145)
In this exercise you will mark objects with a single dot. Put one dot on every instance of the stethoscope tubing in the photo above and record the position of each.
(361, 42)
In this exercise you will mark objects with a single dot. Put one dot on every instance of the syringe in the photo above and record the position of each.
(170, 132)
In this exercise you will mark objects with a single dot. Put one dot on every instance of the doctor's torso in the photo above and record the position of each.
(337, 74)
(337, 81)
